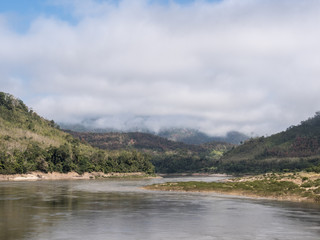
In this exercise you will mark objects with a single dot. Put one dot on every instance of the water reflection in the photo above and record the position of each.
(113, 209)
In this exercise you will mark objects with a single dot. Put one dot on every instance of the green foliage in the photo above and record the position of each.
(167, 156)
(69, 157)
(31, 143)
(255, 166)
(315, 168)
(297, 148)
(191, 136)
(181, 162)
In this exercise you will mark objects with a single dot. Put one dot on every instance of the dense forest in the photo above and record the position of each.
(297, 148)
(167, 156)
(29, 142)
(192, 136)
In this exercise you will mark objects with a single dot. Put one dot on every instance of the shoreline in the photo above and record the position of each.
(240, 194)
(38, 176)
(194, 174)
(293, 187)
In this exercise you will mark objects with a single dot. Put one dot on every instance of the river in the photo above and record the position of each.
(120, 209)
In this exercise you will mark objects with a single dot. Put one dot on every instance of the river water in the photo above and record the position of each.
(120, 209)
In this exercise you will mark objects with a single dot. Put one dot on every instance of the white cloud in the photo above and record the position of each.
(241, 65)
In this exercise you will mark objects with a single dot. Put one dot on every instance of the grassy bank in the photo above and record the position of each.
(288, 186)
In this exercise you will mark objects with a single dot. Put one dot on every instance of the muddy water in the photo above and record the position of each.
(120, 209)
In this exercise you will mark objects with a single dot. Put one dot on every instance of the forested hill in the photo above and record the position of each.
(185, 135)
(192, 136)
(294, 149)
(29, 142)
(167, 156)
(143, 141)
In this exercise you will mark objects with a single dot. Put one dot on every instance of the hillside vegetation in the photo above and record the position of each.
(167, 156)
(184, 135)
(29, 142)
(191, 136)
(297, 148)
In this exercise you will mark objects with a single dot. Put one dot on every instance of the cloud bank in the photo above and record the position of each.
(251, 66)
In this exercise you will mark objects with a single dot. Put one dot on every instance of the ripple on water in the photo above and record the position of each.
(120, 209)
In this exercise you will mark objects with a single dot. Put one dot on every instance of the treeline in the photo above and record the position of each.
(70, 157)
(182, 163)
(254, 166)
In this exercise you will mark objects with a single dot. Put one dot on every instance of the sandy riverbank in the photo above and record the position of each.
(235, 193)
(194, 174)
(295, 187)
(34, 176)
(244, 194)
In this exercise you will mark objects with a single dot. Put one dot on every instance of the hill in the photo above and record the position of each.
(29, 142)
(140, 141)
(192, 136)
(296, 148)
(185, 135)
(166, 155)
(89, 125)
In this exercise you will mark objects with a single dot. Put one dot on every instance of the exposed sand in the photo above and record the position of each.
(297, 178)
(195, 174)
(236, 193)
(33, 176)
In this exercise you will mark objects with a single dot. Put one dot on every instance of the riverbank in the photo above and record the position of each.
(34, 176)
(298, 187)
(193, 175)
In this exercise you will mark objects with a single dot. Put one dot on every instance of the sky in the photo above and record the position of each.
(247, 65)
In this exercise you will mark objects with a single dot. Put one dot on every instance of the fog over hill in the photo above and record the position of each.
(211, 65)
(185, 135)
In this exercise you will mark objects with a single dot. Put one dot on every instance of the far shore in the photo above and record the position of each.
(34, 176)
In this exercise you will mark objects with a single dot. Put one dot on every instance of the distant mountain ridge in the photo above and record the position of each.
(192, 136)
(185, 135)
